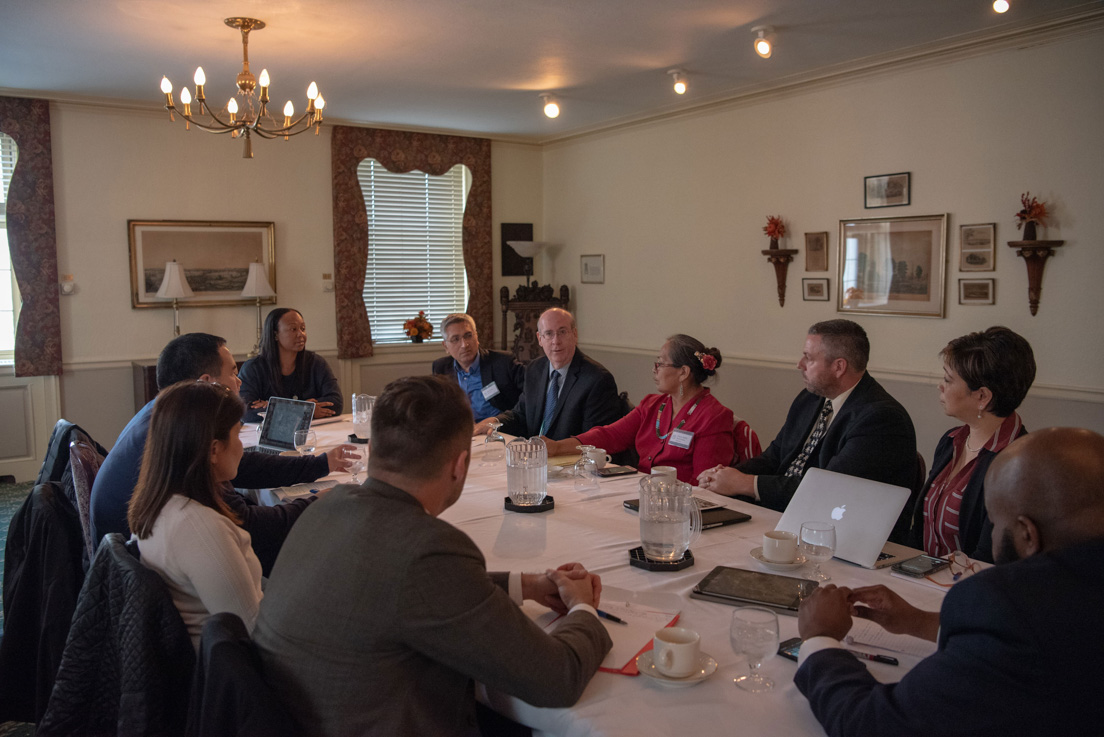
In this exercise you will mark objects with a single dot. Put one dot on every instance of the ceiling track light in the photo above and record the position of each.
(764, 40)
(679, 79)
(1001, 6)
(551, 107)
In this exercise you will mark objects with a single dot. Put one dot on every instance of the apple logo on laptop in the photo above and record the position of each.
(837, 513)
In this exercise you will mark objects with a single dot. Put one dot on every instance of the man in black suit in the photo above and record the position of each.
(843, 421)
(565, 392)
(1019, 645)
(491, 379)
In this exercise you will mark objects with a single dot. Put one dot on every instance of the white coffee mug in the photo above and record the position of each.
(676, 651)
(599, 456)
(664, 471)
(779, 546)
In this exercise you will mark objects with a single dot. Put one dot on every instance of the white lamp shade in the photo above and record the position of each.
(256, 284)
(174, 285)
(526, 249)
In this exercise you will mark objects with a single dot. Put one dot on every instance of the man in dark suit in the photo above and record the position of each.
(843, 421)
(1019, 645)
(565, 392)
(378, 615)
(491, 379)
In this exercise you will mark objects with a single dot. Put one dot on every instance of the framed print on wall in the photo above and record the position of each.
(215, 257)
(593, 269)
(814, 290)
(887, 190)
(892, 266)
(976, 247)
(977, 291)
(816, 251)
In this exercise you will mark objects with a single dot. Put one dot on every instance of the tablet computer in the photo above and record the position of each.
(713, 515)
(740, 587)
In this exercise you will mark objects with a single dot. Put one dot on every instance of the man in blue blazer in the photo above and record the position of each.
(565, 392)
(863, 431)
(1019, 645)
(491, 379)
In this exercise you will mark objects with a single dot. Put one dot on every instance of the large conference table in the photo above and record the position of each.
(595, 529)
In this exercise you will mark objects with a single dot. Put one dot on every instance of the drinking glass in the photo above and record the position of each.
(586, 470)
(754, 634)
(494, 446)
(305, 441)
(818, 544)
(356, 465)
(362, 415)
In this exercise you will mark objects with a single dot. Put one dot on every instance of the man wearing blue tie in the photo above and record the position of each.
(565, 393)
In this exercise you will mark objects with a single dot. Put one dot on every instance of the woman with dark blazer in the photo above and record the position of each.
(285, 368)
(985, 377)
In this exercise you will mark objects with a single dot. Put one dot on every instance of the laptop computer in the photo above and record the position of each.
(862, 510)
(282, 418)
(713, 514)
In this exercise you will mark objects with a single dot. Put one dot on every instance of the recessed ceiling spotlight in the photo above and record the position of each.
(764, 41)
(551, 107)
(679, 79)
(1001, 6)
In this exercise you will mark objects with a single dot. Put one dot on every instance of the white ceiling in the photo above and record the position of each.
(478, 65)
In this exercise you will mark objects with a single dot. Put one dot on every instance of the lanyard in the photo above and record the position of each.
(663, 406)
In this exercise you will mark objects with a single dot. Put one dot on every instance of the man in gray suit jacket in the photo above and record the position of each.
(378, 616)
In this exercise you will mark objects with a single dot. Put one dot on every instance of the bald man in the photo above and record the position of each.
(1020, 645)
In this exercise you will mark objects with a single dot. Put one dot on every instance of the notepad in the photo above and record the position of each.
(629, 640)
(865, 632)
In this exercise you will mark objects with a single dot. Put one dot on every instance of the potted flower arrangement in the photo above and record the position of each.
(1032, 212)
(774, 229)
(418, 328)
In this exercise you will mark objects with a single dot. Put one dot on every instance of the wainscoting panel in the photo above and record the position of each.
(29, 408)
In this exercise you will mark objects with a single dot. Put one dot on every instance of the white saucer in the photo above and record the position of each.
(757, 554)
(707, 666)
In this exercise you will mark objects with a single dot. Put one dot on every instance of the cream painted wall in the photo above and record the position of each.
(677, 207)
(112, 165)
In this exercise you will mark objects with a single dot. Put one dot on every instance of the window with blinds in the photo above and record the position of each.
(415, 252)
(9, 293)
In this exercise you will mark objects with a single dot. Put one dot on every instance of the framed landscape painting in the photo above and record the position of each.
(215, 257)
(976, 247)
(887, 190)
(893, 266)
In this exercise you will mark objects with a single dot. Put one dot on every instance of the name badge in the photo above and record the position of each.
(681, 438)
(490, 391)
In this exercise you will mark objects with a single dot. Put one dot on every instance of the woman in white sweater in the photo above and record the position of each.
(185, 530)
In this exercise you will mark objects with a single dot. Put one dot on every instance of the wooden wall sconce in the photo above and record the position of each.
(781, 258)
(1034, 254)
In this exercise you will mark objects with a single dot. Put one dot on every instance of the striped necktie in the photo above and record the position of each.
(798, 466)
(550, 401)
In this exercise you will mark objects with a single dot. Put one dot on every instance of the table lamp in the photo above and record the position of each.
(527, 250)
(257, 287)
(174, 286)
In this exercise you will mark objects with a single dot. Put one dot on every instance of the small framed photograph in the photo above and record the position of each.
(593, 269)
(977, 292)
(892, 266)
(976, 247)
(816, 251)
(814, 290)
(887, 190)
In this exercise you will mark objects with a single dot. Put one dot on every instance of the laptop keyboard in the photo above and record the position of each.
(266, 451)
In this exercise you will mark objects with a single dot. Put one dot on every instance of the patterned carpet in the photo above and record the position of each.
(11, 497)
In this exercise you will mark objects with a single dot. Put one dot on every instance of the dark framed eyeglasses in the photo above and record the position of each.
(659, 364)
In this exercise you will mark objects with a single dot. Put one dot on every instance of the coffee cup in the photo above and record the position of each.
(779, 546)
(599, 456)
(665, 471)
(676, 651)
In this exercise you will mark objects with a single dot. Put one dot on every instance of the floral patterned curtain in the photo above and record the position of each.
(31, 237)
(400, 152)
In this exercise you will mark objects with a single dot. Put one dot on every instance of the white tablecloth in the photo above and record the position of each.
(595, 529)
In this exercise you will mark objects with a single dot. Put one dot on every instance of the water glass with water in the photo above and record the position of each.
(527, 471)
(670, 520)
(305, 441)
(754, 634)
(817, 543)
(362, 415)
(586, 469)
(494, 446)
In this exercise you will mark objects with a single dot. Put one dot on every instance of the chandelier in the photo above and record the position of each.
(249, 116)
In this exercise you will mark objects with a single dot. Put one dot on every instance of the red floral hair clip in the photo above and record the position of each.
(708, 362)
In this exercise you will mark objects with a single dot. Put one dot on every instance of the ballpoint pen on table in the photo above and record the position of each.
(610, 617)
(876, 658)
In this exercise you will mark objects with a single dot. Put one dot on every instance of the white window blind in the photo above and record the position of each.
(8, 292)
(415, 251)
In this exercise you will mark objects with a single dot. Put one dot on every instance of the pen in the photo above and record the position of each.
(612, 618)
(876, 658)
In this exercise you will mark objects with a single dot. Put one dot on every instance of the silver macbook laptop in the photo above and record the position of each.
(282, 418)
(863, 512)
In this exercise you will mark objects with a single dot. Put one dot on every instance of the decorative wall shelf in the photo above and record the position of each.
(781, 258)
(1034, 254)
